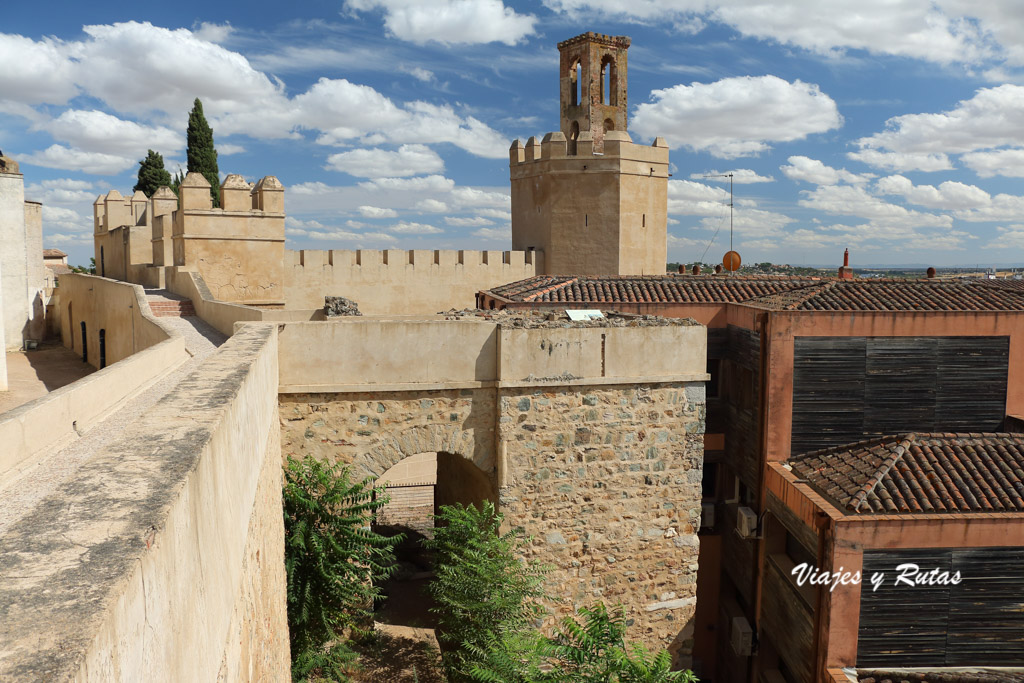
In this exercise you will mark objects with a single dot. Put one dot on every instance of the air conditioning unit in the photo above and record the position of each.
(707, 515)
(742, 636)
(746, 522)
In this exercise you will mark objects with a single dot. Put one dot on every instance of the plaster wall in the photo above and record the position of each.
(36, 328)
(163, 558)
(48, 423)
(591, 213)
(14, 257)
(398, 282)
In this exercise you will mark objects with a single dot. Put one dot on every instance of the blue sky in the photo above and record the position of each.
(894, 129)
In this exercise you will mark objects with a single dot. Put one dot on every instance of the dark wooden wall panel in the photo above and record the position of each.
(848, 389)
(979, 621)
(787, 618)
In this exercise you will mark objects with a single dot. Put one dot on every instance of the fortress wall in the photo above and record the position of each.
(402, 282)
(163, 558)
(595, 451)
(39, 427)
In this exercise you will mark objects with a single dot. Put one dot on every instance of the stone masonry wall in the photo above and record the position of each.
(607, 481)
(605, 478)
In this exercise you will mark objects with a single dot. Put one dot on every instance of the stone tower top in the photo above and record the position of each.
(592, 79)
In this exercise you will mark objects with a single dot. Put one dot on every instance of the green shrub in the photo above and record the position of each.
(485, 595)
(334, 564)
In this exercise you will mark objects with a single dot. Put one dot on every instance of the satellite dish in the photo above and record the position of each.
(731, 261)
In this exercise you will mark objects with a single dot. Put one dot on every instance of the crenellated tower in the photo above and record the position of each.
(593, 201)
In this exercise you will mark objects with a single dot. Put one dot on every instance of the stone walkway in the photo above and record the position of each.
(31, 374)
(36, 483)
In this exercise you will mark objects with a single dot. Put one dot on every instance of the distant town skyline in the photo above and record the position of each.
(896, 131)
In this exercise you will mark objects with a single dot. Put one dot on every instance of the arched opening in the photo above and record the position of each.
(417, 487)
(576, 81)
(608, 125)
(574, 134)
(103, 349)
(85, 345)
(609, 81)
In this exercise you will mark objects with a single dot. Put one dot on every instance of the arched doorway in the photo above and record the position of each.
(417, 487)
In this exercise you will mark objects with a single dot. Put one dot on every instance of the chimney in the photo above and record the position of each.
(696, 269)
(931, 272)
(682, 269)
(718, 269)
(845, 272)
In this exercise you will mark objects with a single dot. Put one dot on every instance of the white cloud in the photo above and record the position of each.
(1003, 162)
(97, 131)
(818, 173)
(213, 33)
(408, 228)
(35, 72)
(377, 212)
(59, 156)
(451, 21)
(1011, 237)
(914, 28)
(227, 149)
(903, 161)
(313, 188)
(62, 192)
(419, 73)
(430, 183)
(431, 205)
(66, 220)
(503, 234)
(688, 198)
(407, 160)
(851, 200)
(471, 197)
(467, 221)
(737, 117)
(740, 176)
(949, 195)
(993, 118)
(1003, 207)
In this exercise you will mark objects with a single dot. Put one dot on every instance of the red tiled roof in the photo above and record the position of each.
(776, 293)
(59, 268)
(950, 676)
(920, 473)
(645, 289)
(53, 253)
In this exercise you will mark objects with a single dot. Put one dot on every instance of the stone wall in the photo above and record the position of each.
(607, 481)
(596, 452)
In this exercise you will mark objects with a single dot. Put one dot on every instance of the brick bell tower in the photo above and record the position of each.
(592, 79)
(585, 195)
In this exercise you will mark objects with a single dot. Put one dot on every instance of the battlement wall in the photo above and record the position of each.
(400, 281)
(618, 146)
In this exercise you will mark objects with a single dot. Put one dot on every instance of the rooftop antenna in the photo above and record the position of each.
(732, 259)
(729, 176)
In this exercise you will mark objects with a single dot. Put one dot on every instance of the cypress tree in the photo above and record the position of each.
(152, 174)
(202, 156)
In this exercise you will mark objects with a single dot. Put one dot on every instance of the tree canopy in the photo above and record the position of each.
(152, 174)
(201, 154)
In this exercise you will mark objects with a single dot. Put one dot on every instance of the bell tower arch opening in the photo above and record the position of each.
(593, 84)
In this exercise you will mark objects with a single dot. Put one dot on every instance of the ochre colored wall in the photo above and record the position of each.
(400, 282)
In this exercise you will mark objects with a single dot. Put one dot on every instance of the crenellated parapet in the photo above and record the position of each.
(402, 281)
(621, 155)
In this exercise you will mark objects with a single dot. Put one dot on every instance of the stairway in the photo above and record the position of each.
(166, 305)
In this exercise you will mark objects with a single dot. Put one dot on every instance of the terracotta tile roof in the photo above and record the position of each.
(775, 293)
(646, 289)
(53, 253)
(920, 473)
(907, 295)
(949, 676)
(59, 268)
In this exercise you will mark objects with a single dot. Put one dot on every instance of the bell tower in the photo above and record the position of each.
(592, 77)
(586, 196)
